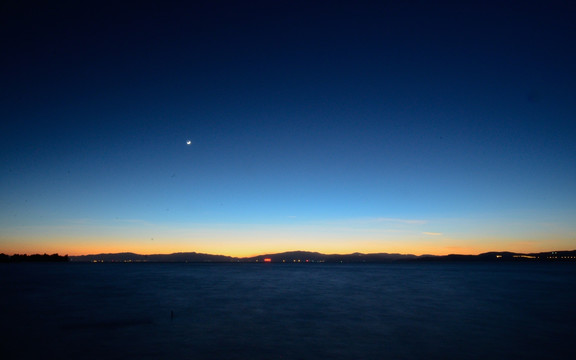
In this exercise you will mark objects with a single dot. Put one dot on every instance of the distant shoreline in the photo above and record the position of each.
(295, 257)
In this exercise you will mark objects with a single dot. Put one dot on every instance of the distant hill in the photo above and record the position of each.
(306, 256)
(315, 257)
(175, 257)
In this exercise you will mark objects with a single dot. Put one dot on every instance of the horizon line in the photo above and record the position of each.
(282, 252)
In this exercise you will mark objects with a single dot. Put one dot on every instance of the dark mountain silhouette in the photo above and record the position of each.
(315, 257)
(306, 256)
(175, 257)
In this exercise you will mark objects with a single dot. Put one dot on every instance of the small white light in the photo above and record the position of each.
(188, 142)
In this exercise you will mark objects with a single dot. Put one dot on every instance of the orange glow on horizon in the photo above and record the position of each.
(245, 247)
(92, 250)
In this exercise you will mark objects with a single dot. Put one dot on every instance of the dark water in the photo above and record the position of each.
(274, 311)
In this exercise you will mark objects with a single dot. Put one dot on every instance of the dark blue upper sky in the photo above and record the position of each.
(455, 117)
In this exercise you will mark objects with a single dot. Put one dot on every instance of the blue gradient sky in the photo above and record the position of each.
(329, 126)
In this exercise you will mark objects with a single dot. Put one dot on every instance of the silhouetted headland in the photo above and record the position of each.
(17, 258)
(315, 257)
(504, 256)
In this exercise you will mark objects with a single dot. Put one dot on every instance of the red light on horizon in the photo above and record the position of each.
(267, 260)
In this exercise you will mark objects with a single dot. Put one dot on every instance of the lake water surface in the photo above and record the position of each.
(288, 311)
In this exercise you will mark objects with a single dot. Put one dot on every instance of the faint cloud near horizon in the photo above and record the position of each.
(432, 233)
(404, 221)
(378, 220)
(131, 221)
(96, 221)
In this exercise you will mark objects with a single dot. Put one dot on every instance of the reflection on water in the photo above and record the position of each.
(295, 311)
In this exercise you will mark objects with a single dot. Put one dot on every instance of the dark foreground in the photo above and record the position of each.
(294, 311)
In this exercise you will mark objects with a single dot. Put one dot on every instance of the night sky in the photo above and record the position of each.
(420, 127)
